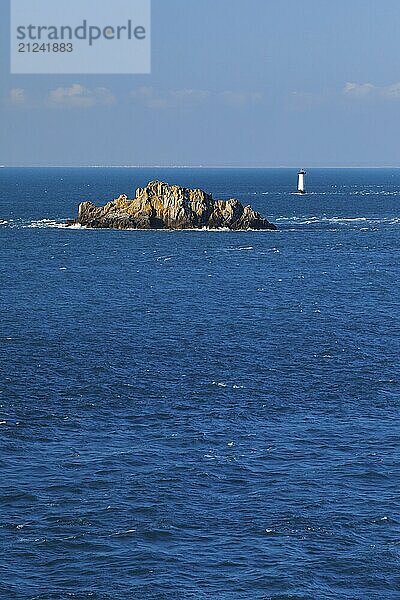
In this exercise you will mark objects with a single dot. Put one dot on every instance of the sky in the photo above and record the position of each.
(244, 83)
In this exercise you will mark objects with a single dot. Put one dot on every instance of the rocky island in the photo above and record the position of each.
(163, 206)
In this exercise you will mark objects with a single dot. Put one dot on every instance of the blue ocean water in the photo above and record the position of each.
(200, 415)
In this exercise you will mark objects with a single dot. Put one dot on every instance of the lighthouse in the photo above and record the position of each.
(300, 182)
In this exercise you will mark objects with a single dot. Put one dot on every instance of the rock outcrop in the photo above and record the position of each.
(163, 206)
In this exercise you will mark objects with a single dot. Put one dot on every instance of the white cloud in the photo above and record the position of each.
(364, 90)
(78, 96)
(391, 92)
(190, 98)
(358, 90)
(17, 97)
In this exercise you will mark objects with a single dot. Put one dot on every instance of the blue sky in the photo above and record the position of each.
(234, 83)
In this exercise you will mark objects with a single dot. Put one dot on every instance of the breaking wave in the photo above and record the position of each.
(48, 223)
(336, 221)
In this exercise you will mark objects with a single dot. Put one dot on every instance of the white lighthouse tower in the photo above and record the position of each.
(300, 182)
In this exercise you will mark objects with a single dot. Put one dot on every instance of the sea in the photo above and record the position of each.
(200, 415)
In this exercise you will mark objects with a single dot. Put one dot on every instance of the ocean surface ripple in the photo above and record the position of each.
(200, 415)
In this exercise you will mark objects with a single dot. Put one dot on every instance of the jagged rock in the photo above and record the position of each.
(163, 206)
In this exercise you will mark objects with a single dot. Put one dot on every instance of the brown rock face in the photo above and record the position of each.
(163, 206)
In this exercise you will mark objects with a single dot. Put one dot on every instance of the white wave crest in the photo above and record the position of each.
(50, 223)
(336, 220)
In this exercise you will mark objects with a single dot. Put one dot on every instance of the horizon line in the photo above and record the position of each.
(192, 167)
